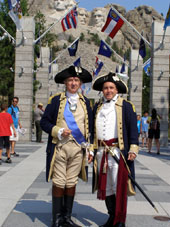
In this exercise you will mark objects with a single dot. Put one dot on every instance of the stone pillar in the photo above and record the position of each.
(53, 87)
(159, 80)
(42, 76)
(23, 85)
(136, 77)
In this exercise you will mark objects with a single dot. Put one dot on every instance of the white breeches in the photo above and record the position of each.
(112, 169)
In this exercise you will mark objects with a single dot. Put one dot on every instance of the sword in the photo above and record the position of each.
(129, 175)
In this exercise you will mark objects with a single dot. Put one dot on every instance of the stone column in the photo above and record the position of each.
(42, 76)
(23, 85)
(135, 85)
(159, 80)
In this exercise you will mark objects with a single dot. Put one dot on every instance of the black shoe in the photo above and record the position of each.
(15, 154)
(58, 221)
(69, 223)
(8, 160)
(109, 222)
(119, 225)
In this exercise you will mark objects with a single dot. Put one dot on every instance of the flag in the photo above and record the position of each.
(73, 48)
(113, 24)
(147, 66)
(142, 48)
(15, 12)
(50, 60)
(123, 66)
(167, 19)
(77, 63)
(98, 66)
(104, 49)
(117, 68)
(70, 20)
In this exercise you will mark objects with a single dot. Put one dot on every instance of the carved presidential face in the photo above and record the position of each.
(82, 15)
(98, 18)
(60, 5)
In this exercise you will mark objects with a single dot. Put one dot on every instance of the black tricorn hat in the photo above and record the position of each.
(73, 71)
(111, 77)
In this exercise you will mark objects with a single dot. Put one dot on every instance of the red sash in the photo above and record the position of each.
(121, 193)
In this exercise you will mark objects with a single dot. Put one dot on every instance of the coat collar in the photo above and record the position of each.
(63, 96)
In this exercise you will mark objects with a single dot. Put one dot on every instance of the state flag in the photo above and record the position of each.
(98, 66)
(104, 49)
(70, 20)
(142, 48)
(77, 63)
(113, 24)
(147, 67)
(167, 20)
(73, 48)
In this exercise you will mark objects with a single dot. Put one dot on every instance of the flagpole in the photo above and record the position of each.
(35, 41)
(117, 54)
(163, 38)
(7, 33)
(63, 51)
(133, 28)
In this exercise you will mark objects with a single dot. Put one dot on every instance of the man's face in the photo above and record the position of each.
(109, 90)
(72, 84)
(82, 16)
(60, 5)
(98, 18)
(14, 102)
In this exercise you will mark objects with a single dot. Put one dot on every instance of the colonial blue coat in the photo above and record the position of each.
(51, 120)
(127, 132)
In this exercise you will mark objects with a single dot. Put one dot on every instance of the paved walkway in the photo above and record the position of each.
(25, 197)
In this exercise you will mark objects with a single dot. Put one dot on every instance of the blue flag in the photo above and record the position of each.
(167, 20)
(142, 48)
(147, 66)
(117, 69)
(105, 49)
(77, 63)
(123, 66)
(73, 48)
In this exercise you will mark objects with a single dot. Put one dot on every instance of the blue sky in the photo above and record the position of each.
(159, 5)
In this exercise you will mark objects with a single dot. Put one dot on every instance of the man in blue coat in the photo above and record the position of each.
(115, 130)
(68, 121)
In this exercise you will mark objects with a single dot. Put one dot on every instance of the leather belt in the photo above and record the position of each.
(111, 143)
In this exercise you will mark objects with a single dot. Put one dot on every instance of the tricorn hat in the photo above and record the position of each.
(73, 71)
(111, 77)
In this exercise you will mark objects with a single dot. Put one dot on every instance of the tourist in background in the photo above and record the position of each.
(154, 130)
(5, 123)
(139, 124)
(38, 113)
(144, 129)
(14, 111)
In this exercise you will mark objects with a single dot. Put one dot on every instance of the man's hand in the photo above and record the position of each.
(66, 133)
(131, 156)
(15, 134)
(90, 158)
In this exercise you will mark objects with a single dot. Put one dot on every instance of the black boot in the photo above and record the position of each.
(68, 205)
(110, 202)
(119, 225)
(57, 203)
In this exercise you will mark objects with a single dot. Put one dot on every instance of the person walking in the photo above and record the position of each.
(5, 123)
(144, 129)
(37, 117)
(68, 121)
(139, 124)
(115, 127)
(14, 111)
(154, 130)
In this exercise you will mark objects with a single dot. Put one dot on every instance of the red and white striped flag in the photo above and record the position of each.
(113, 24)
(70, 20)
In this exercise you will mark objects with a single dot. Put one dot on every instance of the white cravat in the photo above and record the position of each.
(72, 98)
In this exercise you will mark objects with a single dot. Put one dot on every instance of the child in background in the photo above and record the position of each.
(139, 124)
(5, 123)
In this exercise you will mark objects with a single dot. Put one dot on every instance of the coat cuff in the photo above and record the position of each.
(54, 132)
(134, 148)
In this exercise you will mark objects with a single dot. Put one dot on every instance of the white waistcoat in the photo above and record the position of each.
(106, 122)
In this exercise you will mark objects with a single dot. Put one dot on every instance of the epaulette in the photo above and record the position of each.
(133, 106)
(51, 97)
